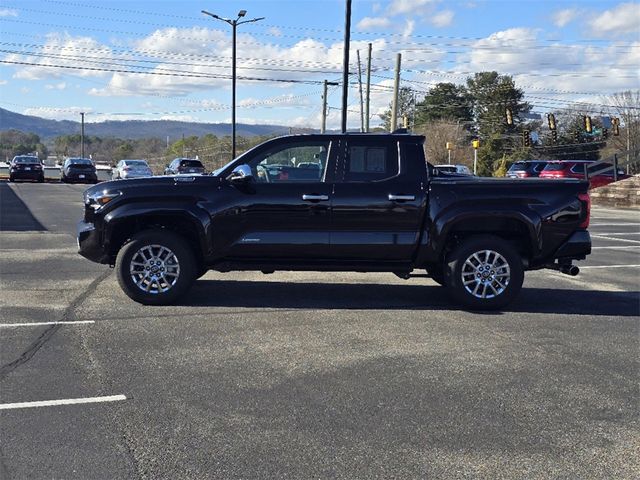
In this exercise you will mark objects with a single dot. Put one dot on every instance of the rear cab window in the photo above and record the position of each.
(369, 160)
(191, 164)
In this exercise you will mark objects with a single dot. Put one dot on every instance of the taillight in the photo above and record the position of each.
(522, 174)
(586, 205)
(126, 169)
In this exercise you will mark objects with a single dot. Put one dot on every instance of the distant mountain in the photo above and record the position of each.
(133, 129)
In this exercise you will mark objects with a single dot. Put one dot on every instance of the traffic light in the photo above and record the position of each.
(526, 138)
(576, 136)
(587, 124)
(615, 122)
(554, 135)
(551, 120)
(605, 133)
(475, 144)
(509, 116)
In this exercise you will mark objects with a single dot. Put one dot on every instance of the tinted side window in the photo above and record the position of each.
(292, 163)
(369, 163)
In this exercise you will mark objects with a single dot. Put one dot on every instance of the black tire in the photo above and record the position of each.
(503, 263)
(41, 180)
(150, 242)
(11, 179)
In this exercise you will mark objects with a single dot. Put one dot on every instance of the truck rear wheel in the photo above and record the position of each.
(484, 273)
(156, 267)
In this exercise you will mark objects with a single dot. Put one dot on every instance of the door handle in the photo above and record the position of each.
(314, 198)
(401, 198)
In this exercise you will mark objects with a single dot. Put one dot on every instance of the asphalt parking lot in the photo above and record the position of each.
(310, 375)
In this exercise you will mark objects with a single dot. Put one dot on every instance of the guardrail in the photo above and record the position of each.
(612, 164)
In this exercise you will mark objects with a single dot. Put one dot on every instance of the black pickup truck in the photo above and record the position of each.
(344, 202)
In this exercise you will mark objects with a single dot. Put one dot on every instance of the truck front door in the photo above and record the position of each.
(284, 213)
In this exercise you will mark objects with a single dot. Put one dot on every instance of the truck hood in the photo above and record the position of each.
(168, 182)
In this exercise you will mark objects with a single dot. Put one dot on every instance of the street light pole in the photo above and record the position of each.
(82, 135)
(234, 25)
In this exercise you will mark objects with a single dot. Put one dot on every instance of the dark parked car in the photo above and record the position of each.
(184, 165)
(26, 167)
(526, 169)
(80, 170)
(372, 204)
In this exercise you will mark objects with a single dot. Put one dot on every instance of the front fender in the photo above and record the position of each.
(140, 212)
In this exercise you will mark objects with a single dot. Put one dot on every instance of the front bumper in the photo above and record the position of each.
(577, 246)
(89, 243)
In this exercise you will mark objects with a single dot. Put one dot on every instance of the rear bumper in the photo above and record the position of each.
(87, 177)
(27, 175)
(89, 243)
(577, 246)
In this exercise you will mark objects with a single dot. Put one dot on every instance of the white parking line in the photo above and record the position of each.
(616, 239)
(617, 247)
(609, 266)
(40, 324)
(614, 225)
(66, 401)
(618, 233)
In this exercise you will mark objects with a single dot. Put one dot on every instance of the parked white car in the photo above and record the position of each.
(459, 169)
(131, 169)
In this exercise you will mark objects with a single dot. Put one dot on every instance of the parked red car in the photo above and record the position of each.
(576, 169)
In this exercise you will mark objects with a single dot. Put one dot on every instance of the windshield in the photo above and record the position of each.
(27, 160)
(135, 163)
(555, 167)
(518, 166)
(191, 163)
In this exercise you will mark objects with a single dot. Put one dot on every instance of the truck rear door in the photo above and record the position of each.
(378, 203)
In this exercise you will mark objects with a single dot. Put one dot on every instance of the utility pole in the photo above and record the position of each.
(360, 87)
(234, 25)
(345, 64)
(628, 129)
(396, 87)
(366, 105)
(323, 125)
(82, 135)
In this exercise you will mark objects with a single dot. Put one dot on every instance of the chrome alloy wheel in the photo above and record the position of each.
(154, 269)
(485, 274)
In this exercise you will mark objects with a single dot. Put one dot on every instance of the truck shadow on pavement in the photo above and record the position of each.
(15, 216)
(372, 296)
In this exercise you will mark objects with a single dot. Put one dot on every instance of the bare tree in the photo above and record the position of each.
(440, 132)
(627, 105)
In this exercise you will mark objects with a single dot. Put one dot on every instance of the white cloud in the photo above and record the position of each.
(207, 55)
(67, 50)
(397, 7)
(57, 86)
(408, 28)
(623, 19)
(275, 31)
(7, 12)
(546, 65)
(564, 17)
(375, 8)
(24, 90)
(3, 82)
(373, 22)
(442, 18)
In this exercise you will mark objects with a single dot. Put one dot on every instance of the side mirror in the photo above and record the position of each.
(241, 174)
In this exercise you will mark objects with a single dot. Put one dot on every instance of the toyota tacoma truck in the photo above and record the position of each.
(343, 202)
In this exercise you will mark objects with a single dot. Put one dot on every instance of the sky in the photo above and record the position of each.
(163, 59)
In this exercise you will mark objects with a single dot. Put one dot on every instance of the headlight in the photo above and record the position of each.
(100, 198)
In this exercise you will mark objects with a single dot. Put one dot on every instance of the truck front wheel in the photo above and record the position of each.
(156, 267)
(484, 273)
